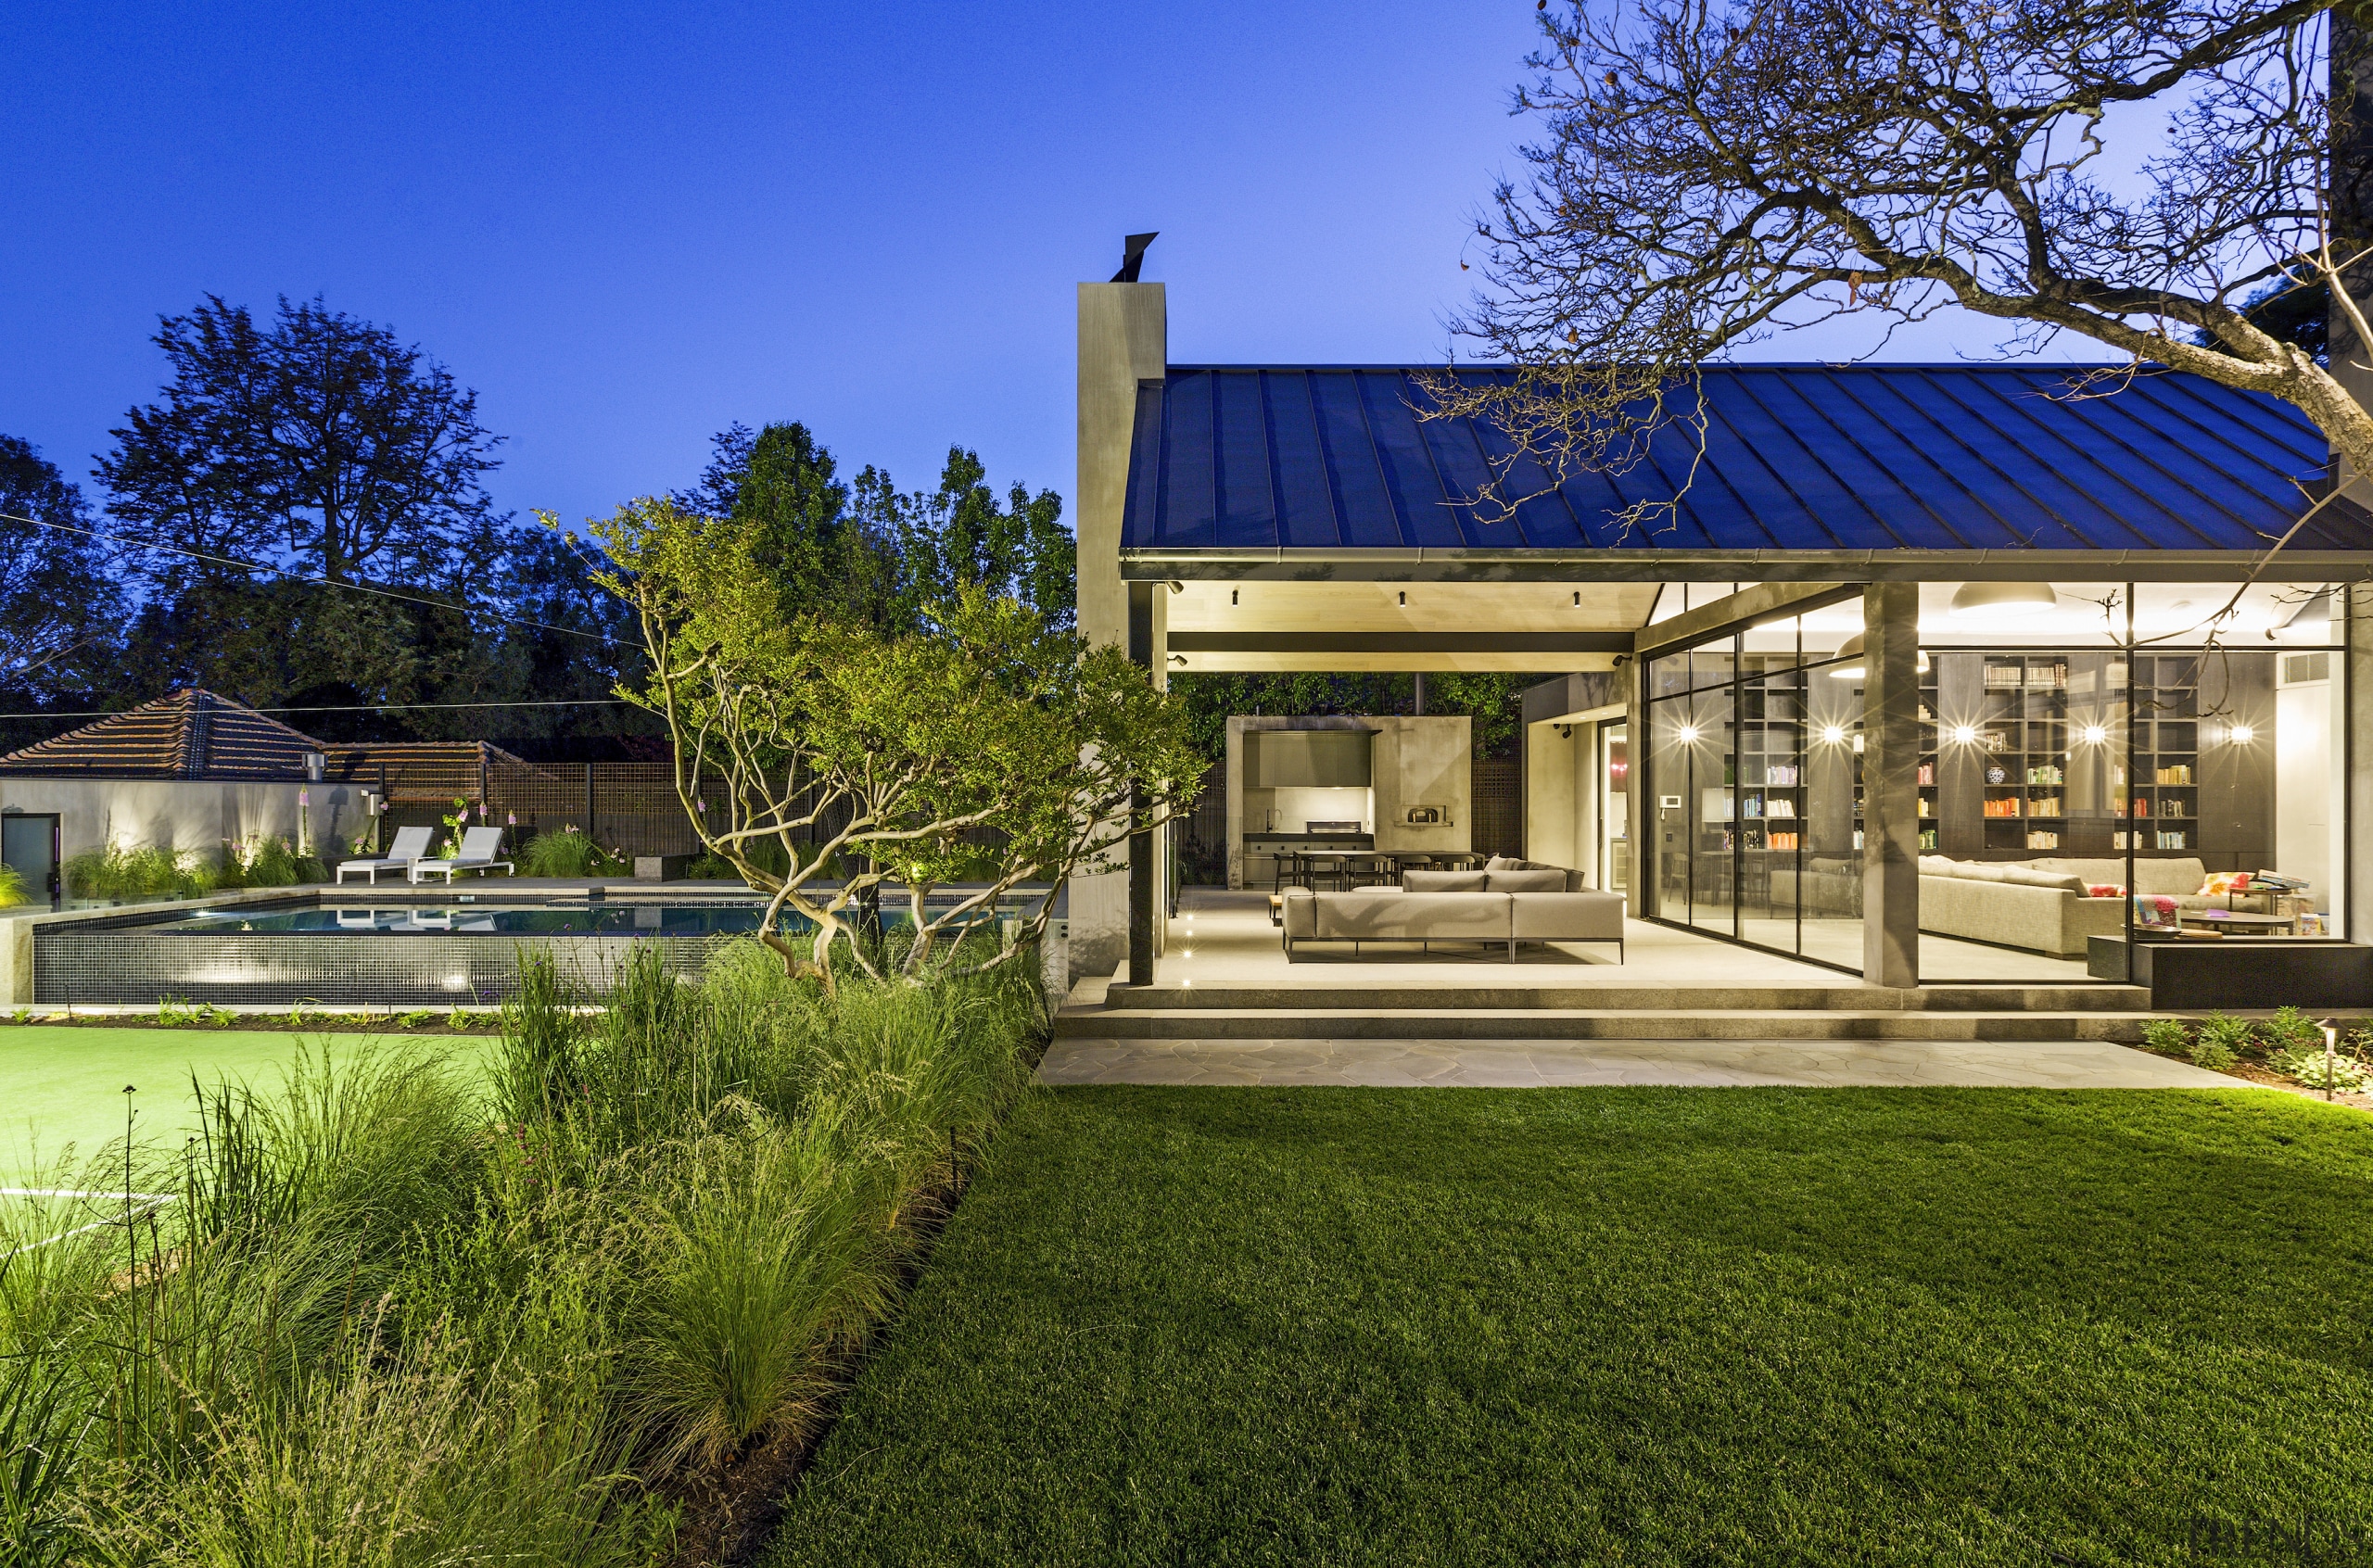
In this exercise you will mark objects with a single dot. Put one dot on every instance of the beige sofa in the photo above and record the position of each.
(2041, 904)
(1512, 904)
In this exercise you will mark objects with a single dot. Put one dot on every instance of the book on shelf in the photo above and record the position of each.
(1779, 807)
(1925, 803)
(1998, 677)
(1927, 773)
(2174, 841)
(2050, 676)
(2045, 805)
(2047, 774)
(2007, 806)
(2043, 841)
(1782, 840)
(2175, 773)
(1781, 776)
(1927, 838)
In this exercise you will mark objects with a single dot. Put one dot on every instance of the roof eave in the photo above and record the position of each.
(1534, 565)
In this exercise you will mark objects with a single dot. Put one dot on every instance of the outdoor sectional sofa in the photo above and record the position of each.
(2043, 904)
(1508, 902)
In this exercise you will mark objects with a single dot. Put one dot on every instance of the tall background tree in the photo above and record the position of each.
(866, 551)
(307, 526)
(2152, 176)
(60, 610)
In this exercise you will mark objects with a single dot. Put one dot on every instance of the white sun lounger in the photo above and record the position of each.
(479, 846)
(409, 845)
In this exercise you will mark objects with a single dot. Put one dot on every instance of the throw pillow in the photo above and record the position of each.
(2219, 883)
(2103, 890)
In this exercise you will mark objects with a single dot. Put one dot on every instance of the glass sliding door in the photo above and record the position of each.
(1614, 805)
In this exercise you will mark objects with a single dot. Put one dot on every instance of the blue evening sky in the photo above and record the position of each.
(628, 226)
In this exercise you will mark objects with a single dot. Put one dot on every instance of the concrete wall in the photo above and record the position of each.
(1427, 761)
(181, 814)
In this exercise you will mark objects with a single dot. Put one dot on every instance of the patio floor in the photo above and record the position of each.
(1223, 937)
(1540, 1064)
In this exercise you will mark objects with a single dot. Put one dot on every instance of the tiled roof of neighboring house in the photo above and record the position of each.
(191, 734)
(428, 770)
(1797, 458)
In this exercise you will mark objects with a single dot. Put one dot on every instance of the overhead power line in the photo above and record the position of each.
(298, 576)
(362, 707)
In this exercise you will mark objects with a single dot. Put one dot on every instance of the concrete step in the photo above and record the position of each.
(1590, 1023)
(1846, 998)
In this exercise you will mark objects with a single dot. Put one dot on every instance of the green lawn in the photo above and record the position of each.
(1626, 1326)
(64, 1084)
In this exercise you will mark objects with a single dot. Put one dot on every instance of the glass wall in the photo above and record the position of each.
(2138, 747)
(1754, 756)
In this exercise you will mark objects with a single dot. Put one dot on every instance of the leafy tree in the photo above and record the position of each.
(309, 494)
(323, 444)
(1711, 174)
(60, 610)
(866, 551)
(985, 744)
(1493, 701)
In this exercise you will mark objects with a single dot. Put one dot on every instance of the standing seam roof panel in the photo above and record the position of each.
(1796, 458)
(1248, 516)
(1370, 521)
(2076, 450)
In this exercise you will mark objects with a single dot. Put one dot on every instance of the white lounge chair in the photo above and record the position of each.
(479, 846)
(409, 845)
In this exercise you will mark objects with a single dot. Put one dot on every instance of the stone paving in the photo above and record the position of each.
(1533, 1064)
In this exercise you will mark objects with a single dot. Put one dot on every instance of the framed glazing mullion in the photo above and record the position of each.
(2132, 781)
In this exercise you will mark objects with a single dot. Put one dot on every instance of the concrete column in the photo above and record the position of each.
(1145, 866)
(1890, 784)
(1123, 339)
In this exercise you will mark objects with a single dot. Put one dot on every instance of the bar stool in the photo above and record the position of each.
(1372, 869)
(1335, 870)
(1289, 871)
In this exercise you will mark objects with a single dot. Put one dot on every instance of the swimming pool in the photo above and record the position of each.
(381, 952)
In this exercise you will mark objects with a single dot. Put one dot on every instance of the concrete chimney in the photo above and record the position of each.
(1123, 339)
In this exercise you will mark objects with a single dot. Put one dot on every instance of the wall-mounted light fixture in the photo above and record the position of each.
(2243, 735)
(1832, 734)
(1178, 658)
(2095, 735)
(1964, 735)
(1687, 734)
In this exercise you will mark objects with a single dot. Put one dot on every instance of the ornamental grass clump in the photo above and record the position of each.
(392, 1311)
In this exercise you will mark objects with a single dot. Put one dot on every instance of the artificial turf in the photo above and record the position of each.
(1628, 1326)
(62, 1086)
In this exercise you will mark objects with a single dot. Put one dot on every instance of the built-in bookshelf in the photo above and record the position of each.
(2026, 754)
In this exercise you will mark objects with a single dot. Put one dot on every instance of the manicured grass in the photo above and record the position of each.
(1626, 1326)
(64, 1084)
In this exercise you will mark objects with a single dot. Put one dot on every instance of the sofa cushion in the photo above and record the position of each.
(2027, 876)
(1548, 879)
(1504, 862)
(1387, 914)
(2175, 878)
(1567, 916)
(1442, 882)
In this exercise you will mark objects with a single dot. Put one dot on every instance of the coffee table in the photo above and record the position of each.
(2238, 923)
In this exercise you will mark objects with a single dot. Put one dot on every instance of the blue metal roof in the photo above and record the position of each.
(1797, 458)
